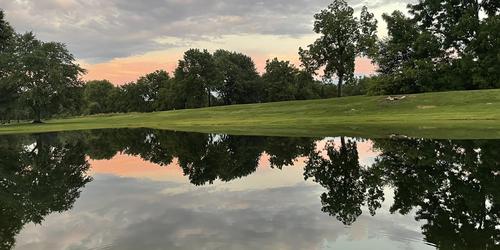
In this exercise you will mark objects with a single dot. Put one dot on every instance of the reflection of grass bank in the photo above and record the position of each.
(460, 114)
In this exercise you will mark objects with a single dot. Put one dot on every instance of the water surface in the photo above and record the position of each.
(150, 189)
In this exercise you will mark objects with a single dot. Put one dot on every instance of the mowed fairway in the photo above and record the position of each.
(459, 114)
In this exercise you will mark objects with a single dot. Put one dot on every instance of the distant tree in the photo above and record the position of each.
(173, 95)
(306, 87)
(356, 86)
(343, 37)
(198, 73)
(44, 71)
(279, 79)
(96, 96)
(238, 78)
(152, 83)
(134, 97)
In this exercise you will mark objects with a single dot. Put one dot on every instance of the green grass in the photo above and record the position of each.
(458, 115)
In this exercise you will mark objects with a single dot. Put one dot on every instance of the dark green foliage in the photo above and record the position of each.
(197, 71)
(152, 84)
(97, 97)
(279, 78)
(227, 77)
(44, 72)
(37, 79)
(239, 81)
(443, 45)
(356, 86)
(283, 81)
(9, 92)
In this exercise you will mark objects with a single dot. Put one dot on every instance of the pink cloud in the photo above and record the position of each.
(124, 70)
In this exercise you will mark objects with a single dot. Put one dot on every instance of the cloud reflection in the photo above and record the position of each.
(126, 213)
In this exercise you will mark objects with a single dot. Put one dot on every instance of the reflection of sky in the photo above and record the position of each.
(158, 209)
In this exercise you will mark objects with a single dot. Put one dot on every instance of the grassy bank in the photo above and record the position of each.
(460, 114)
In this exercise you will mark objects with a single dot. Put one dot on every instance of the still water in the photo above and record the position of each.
(150, 189)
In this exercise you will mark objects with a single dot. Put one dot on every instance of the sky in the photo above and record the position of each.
(120, 40)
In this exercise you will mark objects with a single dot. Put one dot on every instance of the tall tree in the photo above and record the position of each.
(44, 70)
(441, 45)
(410, 56)
(198, 72)
(238, 78)
(134, 97)
(7, 86)
(343, 37)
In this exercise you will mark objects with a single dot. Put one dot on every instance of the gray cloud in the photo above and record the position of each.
(101, 30)
(124, 213)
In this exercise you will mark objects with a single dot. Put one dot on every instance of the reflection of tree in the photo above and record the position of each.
(204, 158)
(222, 157)
(283, 150)
(38, 176)
(453, 184)
(348, 185)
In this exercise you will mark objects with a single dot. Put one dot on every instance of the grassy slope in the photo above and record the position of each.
(461, 114)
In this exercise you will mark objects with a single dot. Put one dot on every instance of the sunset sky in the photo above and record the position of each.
(120, 40)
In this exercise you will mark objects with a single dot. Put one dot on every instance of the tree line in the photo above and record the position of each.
(438, 45)
(204, 79)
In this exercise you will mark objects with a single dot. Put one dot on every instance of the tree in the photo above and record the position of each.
(134, 98)
(9, 90)
(343, 37)
(238, 78)
(455, 23)
(152, 83)
(486, 54)
(198, 72)
(43, 72)
(408, 58)
(441, 45)
(96, 96)
(279, 79)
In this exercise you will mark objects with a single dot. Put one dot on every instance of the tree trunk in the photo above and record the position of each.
(38, 116)
(209, 95)
(339, 86)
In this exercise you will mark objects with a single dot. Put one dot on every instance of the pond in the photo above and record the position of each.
(154, 189)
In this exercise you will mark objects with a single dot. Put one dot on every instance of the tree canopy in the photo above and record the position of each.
(343, 37)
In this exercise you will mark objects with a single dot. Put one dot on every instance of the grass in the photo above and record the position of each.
(456, 115)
